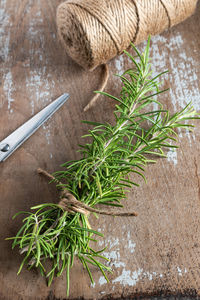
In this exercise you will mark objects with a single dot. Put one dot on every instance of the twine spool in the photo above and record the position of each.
(94, 31)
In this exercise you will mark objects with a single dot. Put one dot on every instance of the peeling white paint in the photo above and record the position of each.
(4, 33)
(33, 84)
(113, 249)
(54, 36)
(39, 84)
(111, 255)
(113, 242)
(181, 271)
(34, 22)
(35, 31)
(172, 156)
(119, 64)
(131, 245)
(149, 275)
(47, 133)
(102, 292)
(39, 90)
(8, 89)
(114, 259)
(4, 53)
(101, 242)
(128, 277)
(131, 278)
(102, 280)
(183, 72)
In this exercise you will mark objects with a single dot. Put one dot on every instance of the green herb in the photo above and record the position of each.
(102, 175)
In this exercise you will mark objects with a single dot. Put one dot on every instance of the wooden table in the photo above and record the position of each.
(157, 252)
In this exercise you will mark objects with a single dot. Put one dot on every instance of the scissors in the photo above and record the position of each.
(21, 134)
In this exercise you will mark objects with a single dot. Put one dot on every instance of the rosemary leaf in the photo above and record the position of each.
(102, 175)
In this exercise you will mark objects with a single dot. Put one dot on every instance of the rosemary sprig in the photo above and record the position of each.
(102, 175)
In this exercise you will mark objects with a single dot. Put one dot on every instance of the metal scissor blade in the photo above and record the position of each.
(15, 139)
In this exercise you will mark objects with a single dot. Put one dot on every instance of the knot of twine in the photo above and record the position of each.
(94, 31)
(70, 204)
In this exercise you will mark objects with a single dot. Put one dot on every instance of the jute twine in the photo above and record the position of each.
(70, 204)
(94, 31)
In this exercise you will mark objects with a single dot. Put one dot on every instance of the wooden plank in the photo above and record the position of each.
(159, 250)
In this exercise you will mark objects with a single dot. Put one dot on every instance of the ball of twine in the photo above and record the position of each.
(94, 31)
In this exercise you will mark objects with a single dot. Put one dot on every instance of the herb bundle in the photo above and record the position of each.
(60, 232)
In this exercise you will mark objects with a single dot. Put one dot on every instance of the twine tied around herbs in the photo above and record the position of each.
(70, 204)
(95, 31)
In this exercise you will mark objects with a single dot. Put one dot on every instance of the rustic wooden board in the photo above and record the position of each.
(159, 251)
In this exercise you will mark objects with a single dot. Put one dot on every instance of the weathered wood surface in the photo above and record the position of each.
(159, 251)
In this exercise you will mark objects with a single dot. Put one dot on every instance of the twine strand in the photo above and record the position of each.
(105, 77)
(70, 204)
(95, 31)
(167, 13)
(138, 22)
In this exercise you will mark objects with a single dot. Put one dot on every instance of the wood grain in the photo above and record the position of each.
(159, 251)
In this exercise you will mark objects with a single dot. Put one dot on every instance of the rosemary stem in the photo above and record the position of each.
(117, 130)
(101, 175)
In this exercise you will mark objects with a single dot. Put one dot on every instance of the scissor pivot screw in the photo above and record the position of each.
(5, 148)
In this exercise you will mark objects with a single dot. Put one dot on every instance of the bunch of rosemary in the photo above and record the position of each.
(102, 175)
